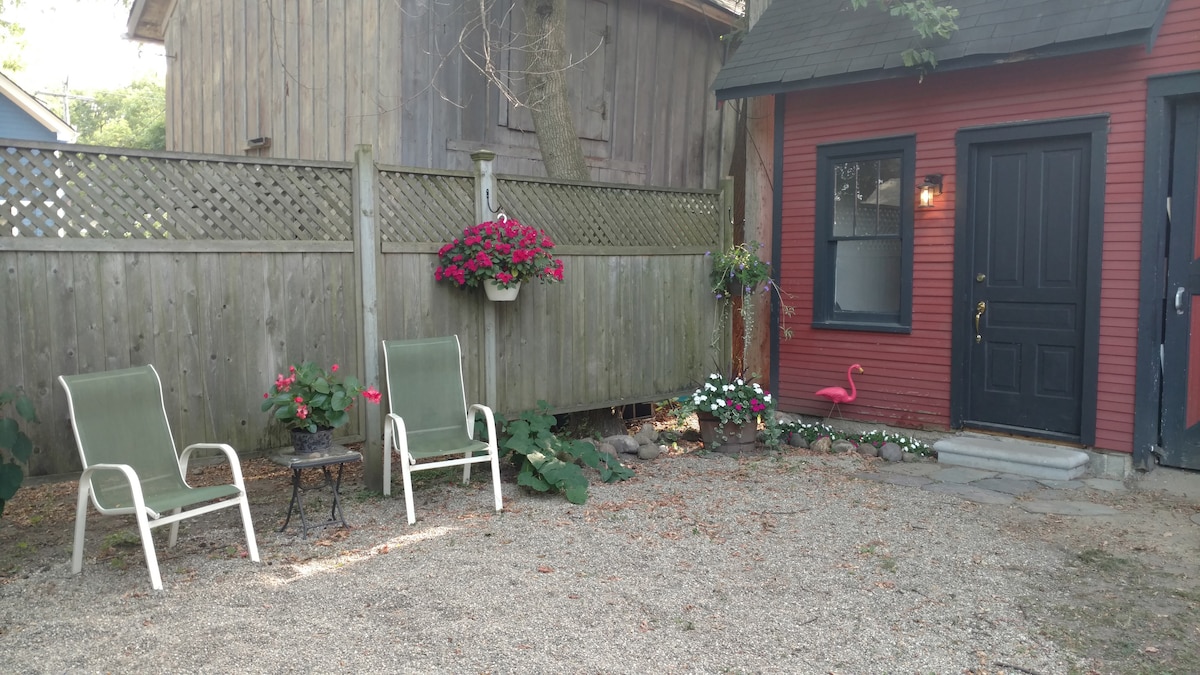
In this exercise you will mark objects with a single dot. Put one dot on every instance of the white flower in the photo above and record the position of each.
(767, 398)
(709, 387)
(740, 382)
(757, 389)
(714, 376)
(721, 403)
(714, 407)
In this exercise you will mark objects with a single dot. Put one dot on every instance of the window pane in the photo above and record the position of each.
(867, 276)
(866, 198)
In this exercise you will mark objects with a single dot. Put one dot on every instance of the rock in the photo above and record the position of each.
(608, 449)
(841, 446)
(625, 445)
(891, 452)
(868, 450)
(647, 434)
(798, 441)
(649, 451)
(822, 444)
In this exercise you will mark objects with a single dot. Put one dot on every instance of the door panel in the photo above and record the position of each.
(1181, 320)
(1028, 214)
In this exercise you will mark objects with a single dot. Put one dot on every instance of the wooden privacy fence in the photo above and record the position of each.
(222, 270)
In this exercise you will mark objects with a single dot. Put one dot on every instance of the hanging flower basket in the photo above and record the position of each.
(498, 293)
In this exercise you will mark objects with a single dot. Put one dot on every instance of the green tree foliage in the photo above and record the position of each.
(132, 117)
(929, 20)
(11, 39)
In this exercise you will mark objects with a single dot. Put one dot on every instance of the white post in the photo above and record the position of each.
(485, 196)
(367, 253)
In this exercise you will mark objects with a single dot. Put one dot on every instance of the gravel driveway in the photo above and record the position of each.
(702, 563)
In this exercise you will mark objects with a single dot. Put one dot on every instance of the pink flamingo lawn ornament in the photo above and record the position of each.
(839, 395)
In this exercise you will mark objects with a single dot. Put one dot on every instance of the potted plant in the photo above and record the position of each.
(738, 273)
(728, 409)
(312, 401)
(499, 255)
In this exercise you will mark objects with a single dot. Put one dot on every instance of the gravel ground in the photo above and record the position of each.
(702, 563)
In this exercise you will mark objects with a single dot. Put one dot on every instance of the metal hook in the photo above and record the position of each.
(487, 196)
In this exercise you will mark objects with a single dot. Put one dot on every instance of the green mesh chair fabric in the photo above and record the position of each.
(120, 419)
(428, 413)
(131, 464)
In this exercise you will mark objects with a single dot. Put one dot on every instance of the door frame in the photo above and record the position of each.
(967, 140)
(1147, 430)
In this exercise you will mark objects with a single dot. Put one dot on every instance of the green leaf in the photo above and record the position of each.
(22, 448)
(25, 409)
(577, 494)
(340, 401)
(10, 479)
(529, 480)
(8, 432)
(338, 418)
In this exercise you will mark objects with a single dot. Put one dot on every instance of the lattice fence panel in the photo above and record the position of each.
(59, 193)
(424, 207)
(579, 215)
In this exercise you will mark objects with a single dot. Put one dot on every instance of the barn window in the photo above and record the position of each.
(864, 228)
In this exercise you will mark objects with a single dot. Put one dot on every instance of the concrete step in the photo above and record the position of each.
(1011, 455)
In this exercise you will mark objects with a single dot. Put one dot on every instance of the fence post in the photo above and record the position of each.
(485, 196)
(366, 254)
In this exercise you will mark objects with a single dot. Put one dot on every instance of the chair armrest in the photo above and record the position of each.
(488, 418)
(235, 465)
(135, 487)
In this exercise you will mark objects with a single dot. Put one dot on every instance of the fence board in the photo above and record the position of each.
(223, 270)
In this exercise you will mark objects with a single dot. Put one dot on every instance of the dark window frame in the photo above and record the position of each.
(825, 315)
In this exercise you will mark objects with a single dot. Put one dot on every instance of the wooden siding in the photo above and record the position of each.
(907, 378)
(319, 77)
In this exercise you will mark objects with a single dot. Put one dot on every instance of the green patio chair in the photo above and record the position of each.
(429, 423)
(130, 463)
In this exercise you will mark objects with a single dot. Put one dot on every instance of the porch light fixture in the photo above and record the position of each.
(926, 191)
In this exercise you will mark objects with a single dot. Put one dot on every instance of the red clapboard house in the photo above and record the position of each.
(1049, 287)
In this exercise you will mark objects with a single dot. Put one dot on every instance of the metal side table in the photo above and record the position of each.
(323, 460)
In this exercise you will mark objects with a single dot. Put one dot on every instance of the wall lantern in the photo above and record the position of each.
(926, 191)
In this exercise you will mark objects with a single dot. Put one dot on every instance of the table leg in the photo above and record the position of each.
(292, 503)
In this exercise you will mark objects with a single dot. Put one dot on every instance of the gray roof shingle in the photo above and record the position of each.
(803, 44)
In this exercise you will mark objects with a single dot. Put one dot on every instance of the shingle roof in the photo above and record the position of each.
(801, 44)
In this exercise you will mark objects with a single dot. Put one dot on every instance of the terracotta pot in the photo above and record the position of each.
(728, 438)
(494, 292)
(307, 443)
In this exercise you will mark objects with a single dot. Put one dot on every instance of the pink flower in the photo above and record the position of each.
(299, 399)
(372, 394)
(333, 368)
(302, 411)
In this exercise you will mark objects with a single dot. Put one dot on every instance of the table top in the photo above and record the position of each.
(334, 454)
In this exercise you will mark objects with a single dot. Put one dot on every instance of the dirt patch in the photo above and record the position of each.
(1133, 601)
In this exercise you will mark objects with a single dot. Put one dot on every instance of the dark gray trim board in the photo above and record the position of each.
(1148, 380)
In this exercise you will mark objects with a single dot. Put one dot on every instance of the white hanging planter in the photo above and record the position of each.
(495, 293)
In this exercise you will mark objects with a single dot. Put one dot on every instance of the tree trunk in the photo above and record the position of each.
(546, 78)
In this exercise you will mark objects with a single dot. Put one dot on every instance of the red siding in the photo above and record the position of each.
(907, 378)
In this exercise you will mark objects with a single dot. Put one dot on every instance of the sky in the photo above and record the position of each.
(83, 41)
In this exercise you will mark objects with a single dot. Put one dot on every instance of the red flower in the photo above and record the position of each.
(372, 394)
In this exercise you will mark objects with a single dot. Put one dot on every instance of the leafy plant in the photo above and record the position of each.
(312, 398)
(547, 463)
(15, 445)
(812, 431)
(506, 252)
(738, 271)
(929, 20)
(732, 400)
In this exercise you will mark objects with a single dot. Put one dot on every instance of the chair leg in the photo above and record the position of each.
(406, 470)
(148, 547)
(387, 458)
(174, 530)
(80, 523)
(251, 542)
(496, 481)
(466, 469)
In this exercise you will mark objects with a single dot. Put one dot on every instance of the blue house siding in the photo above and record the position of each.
(16, 123)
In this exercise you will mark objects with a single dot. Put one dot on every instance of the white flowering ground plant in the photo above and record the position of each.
(735, 400)
(811, 431)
